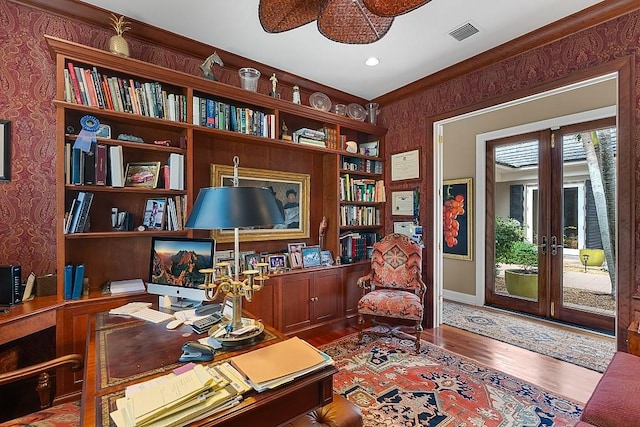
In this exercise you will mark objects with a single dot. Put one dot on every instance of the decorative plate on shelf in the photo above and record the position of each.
(356, 112)
(320, 101)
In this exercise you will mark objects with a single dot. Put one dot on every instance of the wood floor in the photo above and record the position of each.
(555, 376)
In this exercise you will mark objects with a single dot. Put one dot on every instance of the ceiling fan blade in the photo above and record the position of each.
(348, 21)
(277, 16)
(393, 8)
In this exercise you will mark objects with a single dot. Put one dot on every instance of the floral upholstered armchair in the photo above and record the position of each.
(394, 288)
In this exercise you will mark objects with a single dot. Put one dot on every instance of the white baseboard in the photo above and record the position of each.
(462, 298)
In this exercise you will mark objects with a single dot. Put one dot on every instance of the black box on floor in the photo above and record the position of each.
(10, 284)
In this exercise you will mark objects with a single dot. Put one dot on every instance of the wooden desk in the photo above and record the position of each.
(122, 351)
(29, 317)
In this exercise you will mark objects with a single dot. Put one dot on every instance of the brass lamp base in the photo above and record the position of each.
(230, 340)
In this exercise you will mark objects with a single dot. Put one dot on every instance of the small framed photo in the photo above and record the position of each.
(295, 254)
(154, 213)
(251, 261)
(277, 262)
(326, 258)
(142, 174)
(311, 256)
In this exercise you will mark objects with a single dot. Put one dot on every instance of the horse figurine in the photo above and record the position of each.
(207, 66)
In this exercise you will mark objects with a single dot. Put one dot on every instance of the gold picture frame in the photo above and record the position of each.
(280, 183)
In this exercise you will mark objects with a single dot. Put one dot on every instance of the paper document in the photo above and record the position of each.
(278, 360)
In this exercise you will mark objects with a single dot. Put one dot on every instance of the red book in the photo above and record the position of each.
(74, 80)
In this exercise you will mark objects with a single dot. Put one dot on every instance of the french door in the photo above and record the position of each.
(551, 224)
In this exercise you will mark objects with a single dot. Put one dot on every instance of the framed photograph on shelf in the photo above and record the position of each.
(457, 217)
(291, 191)
(5, 150)
(326, 258)
(311, 256)
(142, 174)
(295, 254)
(251, 261)
(154, 213)
(277, 262)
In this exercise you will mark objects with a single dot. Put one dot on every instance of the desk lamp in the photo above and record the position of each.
(234, 207)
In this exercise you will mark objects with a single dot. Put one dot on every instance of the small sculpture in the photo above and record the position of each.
(117, 43)
(274, 82)
(296, 95)
(207, 66)
(321, 231)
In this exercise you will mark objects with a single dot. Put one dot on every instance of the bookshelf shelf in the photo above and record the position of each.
(123, 234)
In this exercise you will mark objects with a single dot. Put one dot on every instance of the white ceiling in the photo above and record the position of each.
(417, 45)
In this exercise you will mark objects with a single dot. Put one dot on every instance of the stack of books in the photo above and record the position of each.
(190, 393)
(310, 137)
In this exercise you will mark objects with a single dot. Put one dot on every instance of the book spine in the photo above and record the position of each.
(84, 213)
(68, 282)
(78, 279)
(76, 84)
(101, 165)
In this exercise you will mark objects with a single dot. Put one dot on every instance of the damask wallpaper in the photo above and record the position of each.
(27, 83)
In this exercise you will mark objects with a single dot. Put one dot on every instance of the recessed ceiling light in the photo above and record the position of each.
(372, 61)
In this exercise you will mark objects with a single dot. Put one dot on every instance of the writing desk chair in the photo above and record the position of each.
(65, 414)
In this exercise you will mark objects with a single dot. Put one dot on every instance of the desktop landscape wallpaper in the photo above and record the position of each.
(179, 262)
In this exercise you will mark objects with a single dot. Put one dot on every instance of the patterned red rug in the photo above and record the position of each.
(396, 387)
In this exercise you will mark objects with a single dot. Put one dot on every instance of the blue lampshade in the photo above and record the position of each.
(234, 207)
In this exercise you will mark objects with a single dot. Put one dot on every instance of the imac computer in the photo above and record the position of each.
(174, 270)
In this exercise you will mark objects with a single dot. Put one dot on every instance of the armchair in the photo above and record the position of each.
(67, 414)
(394, 287)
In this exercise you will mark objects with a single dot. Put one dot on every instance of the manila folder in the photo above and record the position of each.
(277, 360)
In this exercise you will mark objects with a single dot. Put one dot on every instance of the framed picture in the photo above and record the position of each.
(311, 256)
(405, 165)
(457, 217)
(326, 258)
(5, 150)
(295, 254)
(142, 174)
(277, 262)
(291, 191)
(402, 203)
(154, 213)
(251, 261)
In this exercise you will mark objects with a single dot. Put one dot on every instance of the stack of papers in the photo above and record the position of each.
(193, 393)
(280, 363)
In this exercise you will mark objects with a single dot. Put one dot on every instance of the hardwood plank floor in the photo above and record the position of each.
(558, 377)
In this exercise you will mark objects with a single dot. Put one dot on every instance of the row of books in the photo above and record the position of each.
(361, 189)
(223, 116)
(362, 165)
(176, 212)
(77, 219)
(353, 215)
(73, 281)
(90, 87)
(355, 246)
(104, 165)
(193, 392)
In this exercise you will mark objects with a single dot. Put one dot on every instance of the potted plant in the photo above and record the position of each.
(512, 248)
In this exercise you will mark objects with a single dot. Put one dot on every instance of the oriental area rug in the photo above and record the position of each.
(394, 386)
(579, 347)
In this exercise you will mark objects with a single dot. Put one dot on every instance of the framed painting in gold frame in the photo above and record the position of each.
(291, 191)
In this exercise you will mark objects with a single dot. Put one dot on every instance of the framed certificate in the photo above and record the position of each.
(405, 165)
(402, 203)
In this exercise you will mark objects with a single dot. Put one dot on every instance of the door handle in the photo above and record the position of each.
(543, 245)
(554, 245)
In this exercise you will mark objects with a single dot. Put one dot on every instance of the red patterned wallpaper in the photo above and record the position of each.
(27, 87)
(27, 83)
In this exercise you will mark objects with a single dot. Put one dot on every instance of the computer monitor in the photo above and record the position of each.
(174, 270)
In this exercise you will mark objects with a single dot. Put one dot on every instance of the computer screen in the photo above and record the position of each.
(174, 270)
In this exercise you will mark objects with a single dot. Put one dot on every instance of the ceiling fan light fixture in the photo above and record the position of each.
(393, 7)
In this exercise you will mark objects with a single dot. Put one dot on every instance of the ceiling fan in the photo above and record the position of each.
(343, 21)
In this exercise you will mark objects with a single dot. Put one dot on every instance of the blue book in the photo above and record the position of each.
(78, 279)
(68, 281)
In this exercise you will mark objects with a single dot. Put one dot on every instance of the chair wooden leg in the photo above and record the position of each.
(361, 327)
(418, 335)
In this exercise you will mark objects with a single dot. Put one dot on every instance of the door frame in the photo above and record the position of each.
(439, 294)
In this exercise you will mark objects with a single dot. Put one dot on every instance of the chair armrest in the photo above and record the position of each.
(74, 362)
(364, 280)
